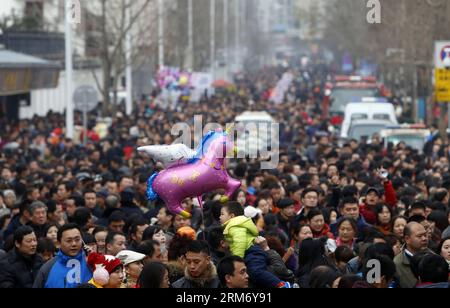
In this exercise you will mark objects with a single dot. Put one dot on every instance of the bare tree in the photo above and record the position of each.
(402, 45)
(113, 27)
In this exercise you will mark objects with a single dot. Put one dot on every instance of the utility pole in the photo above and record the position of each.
(160, 33)
(129, 68)
(69, 71)
(414, 93)
(190, 36)
(213, 35)
(243, 25)
(238, 31)
(225, 36)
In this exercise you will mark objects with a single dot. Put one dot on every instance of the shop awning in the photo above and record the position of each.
(21, 73)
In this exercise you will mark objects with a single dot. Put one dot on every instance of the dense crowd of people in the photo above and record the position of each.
(78, 216)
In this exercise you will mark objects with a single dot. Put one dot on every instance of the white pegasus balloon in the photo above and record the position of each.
(169, 155)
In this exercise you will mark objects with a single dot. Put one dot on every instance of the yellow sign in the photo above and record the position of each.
(442, 85)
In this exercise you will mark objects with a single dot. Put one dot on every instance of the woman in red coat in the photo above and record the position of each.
(317, 223)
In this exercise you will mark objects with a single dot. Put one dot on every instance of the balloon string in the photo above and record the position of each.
(200, 202)
(202, 226)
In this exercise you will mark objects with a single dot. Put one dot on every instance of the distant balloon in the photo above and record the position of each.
(184, 80)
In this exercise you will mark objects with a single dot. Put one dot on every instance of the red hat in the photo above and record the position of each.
(102, 266)
(57, 131)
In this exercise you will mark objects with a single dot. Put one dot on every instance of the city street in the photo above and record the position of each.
(225, 144)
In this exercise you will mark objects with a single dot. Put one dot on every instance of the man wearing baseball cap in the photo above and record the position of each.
(375, 196)
(133, 267)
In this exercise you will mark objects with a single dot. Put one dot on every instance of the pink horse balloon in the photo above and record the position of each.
(206, 173)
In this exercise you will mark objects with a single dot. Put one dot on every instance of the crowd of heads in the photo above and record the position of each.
(326, 210)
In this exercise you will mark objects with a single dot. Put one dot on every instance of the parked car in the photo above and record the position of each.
(363, 130)
(414, 136)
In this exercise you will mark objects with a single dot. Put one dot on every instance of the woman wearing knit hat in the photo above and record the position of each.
(107, 271)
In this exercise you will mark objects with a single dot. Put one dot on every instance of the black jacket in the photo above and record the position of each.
(132, 209)
(278, 267)
(39, 230)
(285, 225)
(104, 219)
(18, 271)
(216, 256)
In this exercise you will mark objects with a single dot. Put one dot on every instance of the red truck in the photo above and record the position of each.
(345, 89)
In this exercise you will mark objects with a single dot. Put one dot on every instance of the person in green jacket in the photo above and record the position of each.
(242, 236)
(239, 231)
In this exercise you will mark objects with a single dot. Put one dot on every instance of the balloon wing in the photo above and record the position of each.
(169, 155)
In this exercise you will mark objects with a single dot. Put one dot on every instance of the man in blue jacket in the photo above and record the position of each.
(69, 268)
(257, 262)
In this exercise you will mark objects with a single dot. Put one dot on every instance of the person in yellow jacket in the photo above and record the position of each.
(239, 231)
(242, 235)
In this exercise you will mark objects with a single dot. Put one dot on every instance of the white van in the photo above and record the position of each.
(367, 111)
(252, 142)
(254, 117)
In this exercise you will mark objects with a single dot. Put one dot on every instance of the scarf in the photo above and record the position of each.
(326, 231)
(68, 272)
(92, 282)
(386, 230)
(340, 243)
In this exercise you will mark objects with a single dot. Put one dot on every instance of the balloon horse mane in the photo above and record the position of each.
(191, 173)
